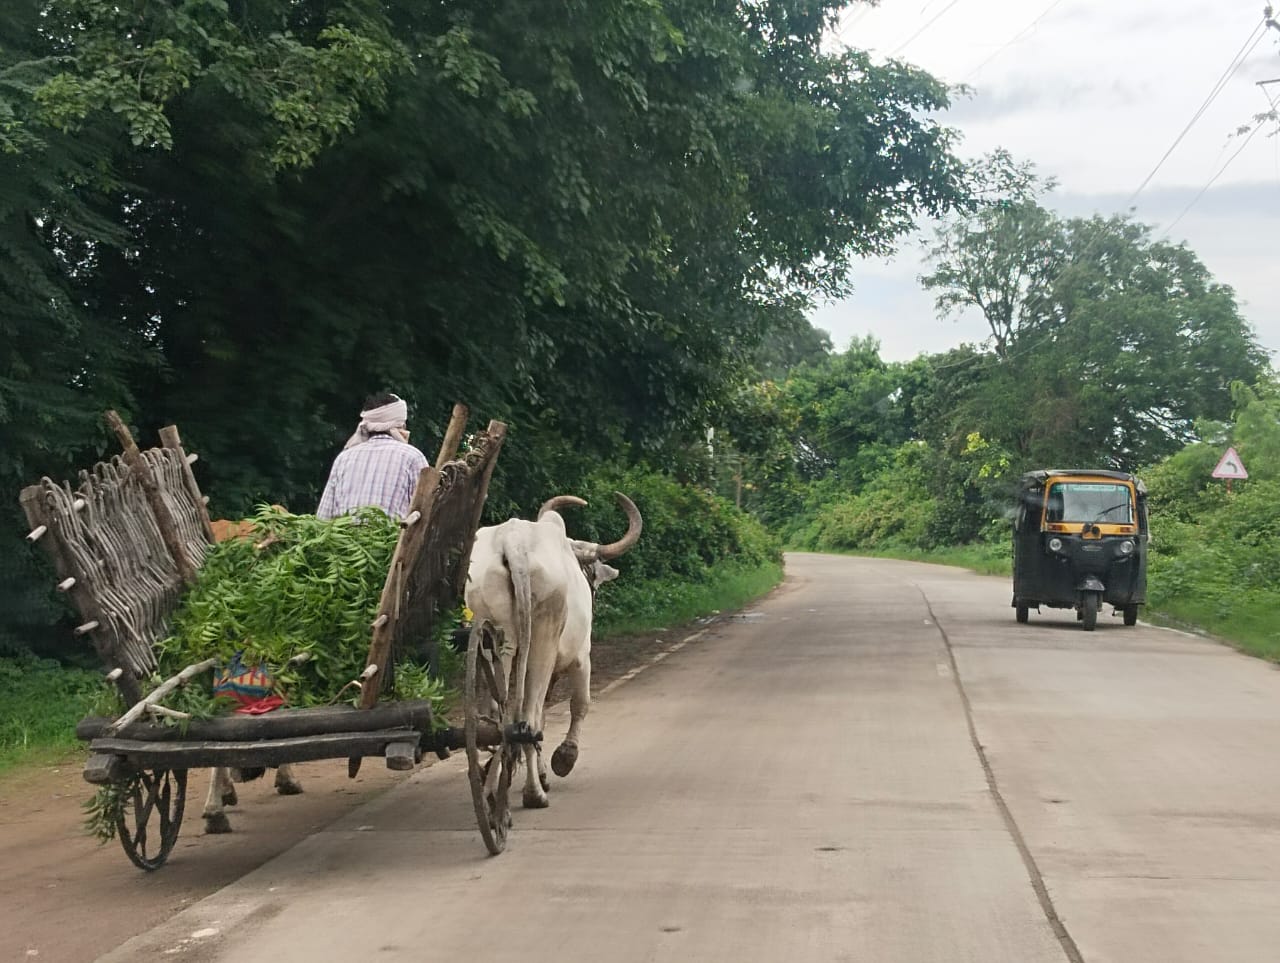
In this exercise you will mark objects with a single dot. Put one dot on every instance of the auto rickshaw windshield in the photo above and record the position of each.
(1090, 502)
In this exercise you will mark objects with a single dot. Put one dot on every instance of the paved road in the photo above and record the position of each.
(812, 781)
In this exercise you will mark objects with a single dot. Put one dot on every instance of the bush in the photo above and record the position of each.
(1215, 558)
(691, 538)
(876, 519)
(40, 703)
(688, 531)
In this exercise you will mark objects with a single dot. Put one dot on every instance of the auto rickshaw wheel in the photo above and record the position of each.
(1131, 615)
(1020, 610)
(1089, 611)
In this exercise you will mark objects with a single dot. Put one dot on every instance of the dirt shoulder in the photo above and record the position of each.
(69, 899)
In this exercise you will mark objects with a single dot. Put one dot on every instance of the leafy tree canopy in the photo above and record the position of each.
(584, 217)
(1106, 344)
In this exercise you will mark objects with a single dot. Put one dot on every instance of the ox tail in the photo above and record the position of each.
(517, 558)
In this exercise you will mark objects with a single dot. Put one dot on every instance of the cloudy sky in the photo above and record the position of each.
(1094, 92)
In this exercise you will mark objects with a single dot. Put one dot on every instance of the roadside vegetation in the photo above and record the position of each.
(1117, 351)
(41, 700)
(718, 559)
(1090, 363)
(172, 249)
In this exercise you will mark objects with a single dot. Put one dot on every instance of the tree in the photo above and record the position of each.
(1256, 432)
(1002, 256)
(792, 342)
(1106, 344)
(580, 217)
(849, 412)
(61, 362)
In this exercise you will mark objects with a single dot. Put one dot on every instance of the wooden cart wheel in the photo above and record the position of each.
(151, 816)
(1021, 611)
(1130, 615)
(489, 768)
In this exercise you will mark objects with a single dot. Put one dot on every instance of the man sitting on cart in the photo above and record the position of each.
(377, 467)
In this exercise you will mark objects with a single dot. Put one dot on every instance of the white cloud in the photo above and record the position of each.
(1094, 94)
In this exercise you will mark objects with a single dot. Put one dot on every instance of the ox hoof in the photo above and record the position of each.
(229, 798)
(535, 800)
(564, 759)
(217, 824)
(289, 788)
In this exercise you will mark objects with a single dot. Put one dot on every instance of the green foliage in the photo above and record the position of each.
(105, 808)
(1220, 570)
(1181, 486)
(672, 601)
(892, 509)
(1256, 432)
(873, 519)
(582, 218)
(300, 585)
(1107, 345)
(40, 703)
(687, 530)
(1215, 560)
(303, 74)
(845, 402)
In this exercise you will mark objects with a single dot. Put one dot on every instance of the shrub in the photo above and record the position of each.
(687, 530)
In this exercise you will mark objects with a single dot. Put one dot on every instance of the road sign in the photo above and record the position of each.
(1230, 466)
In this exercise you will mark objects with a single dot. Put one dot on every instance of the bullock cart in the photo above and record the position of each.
(131, 535)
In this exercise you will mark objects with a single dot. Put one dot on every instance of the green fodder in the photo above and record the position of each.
(298, 586)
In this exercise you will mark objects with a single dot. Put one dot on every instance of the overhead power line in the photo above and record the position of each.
(857, 16)
(1213, 180)
(936, 17)
(1255, 38)
(1014, 39)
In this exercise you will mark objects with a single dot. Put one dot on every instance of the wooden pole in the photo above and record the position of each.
(497, 432)
(170, 439)
(389, 604)
(159, 692)
(164, 520)
(453, 436)
(414, 714)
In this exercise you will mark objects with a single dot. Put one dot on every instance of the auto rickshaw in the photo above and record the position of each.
(1080, 540)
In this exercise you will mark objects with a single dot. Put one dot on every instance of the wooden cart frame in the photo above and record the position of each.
(132, 535)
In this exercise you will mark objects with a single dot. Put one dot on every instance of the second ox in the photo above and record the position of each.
(538, 585)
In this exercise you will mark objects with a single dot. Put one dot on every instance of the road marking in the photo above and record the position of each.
(628, 676)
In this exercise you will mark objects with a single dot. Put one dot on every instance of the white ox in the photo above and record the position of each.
(222, 792)
(538, 585)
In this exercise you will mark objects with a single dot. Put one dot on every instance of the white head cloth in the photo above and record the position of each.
(390, 417)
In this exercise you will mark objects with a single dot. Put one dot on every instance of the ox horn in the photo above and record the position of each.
(557, 502)
(634, 525)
